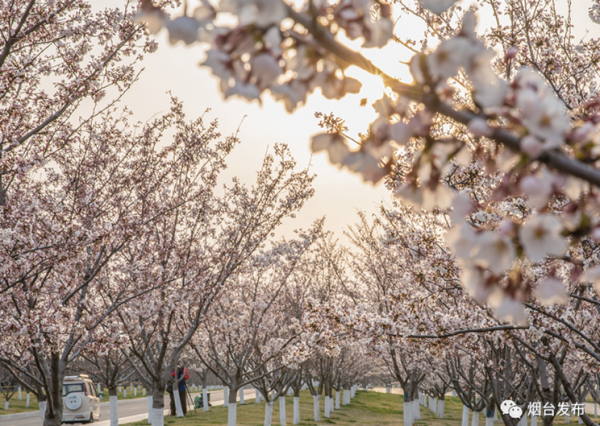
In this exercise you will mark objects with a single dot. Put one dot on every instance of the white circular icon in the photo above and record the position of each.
(515, 412)
(73, 401)
(506, 405)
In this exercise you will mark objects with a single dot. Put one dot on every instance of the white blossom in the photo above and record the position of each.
(550, 291)
(511, 310)
(540, 237)
(495, 252)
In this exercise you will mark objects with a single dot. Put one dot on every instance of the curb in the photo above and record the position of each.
(20, 415)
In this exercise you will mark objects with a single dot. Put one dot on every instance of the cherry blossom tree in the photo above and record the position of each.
(249, 333)
(523, 119)
(89, 207)
(199, 260)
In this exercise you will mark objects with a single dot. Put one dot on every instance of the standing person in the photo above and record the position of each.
(182, 376)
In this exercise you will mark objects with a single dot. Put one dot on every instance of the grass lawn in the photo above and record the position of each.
(17, 406)
(367, 408)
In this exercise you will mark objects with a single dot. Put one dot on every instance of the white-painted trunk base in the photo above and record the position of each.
(282, 410)
(465, 416)
(134, 391)
(27, 401)
(489, 421)
(225, 396)
(256, 396)
(534, 420)
(42, 406)
(114, 410)
(408, 416)
(205, 399)
(178, 408)
(416, 410)
(326, 411)
(296, 410)
(475, 420)
(20, 399)
(268, 413)
(150, 398)
(337, 399)
(440, 408)
(242, 396)
(316, 408)
(6, 404)
(158, 417)
(231, 414)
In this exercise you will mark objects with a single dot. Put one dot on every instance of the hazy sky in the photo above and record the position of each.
(338, 192)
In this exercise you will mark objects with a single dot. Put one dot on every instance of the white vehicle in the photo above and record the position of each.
(80, 401)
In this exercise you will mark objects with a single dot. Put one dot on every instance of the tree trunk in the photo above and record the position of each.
(158, 404)
(114, 406)
(242, 396)
(42, 405)
(416, 410)
(55, 411)
(27, 400)
(296, 410)
(475, 421)
(337, 399)
(465, 416)
(317, 409)
(408, 416)
(232, 415)
(204, 398)
(178, 407)
(440, 408)
(225, 396)
(534, 420)
(282, 410)
(149, 408)
(114, 410)
(268, 413)
(256, 396)
(326, 411)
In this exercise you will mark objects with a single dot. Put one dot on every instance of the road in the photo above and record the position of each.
(132, 410)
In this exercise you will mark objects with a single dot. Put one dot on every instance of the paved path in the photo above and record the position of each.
(132, 410)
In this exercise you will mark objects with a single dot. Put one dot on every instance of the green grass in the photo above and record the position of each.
(140, 394)
(367, 408)
(17, 406)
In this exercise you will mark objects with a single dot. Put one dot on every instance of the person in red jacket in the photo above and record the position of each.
(182, 376)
